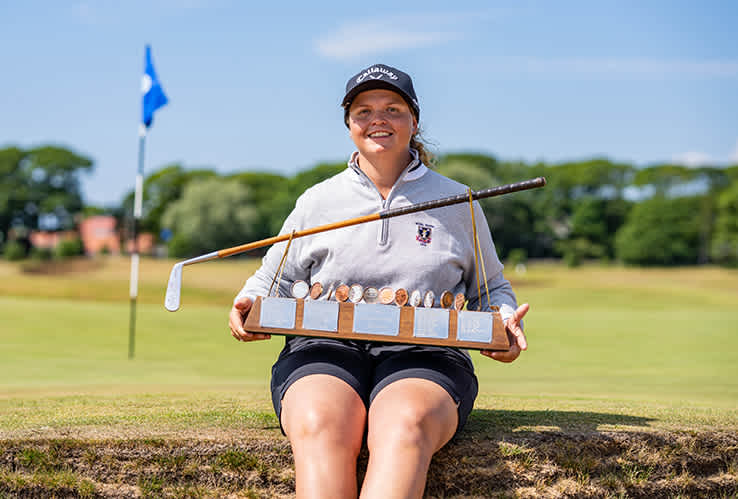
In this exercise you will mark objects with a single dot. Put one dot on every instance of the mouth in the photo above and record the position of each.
(379, 134)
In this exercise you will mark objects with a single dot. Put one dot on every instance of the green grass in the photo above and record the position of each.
(658, 344)
(629, 388)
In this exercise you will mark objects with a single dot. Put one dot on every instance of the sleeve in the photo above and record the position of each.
(259, 283)
(500, 291)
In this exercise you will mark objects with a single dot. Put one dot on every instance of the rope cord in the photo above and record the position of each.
(278, 276)
(484, 275)
(476, 249)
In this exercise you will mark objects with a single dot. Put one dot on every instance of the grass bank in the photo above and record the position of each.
(630, 388)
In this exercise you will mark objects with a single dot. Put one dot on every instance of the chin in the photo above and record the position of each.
(375, 148)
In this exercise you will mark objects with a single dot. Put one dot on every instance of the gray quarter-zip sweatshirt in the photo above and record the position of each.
(431, 250)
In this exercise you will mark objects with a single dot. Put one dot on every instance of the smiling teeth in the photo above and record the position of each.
(379, 134)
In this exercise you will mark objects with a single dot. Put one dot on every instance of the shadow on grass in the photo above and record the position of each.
(486, 421)
(503, 453)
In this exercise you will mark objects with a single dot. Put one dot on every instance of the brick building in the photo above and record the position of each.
(99, 233)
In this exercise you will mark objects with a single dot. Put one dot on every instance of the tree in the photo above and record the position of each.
(679, 180)
(284, 200)
(724, 247)
(661, 231)
(593, 225)
(40, 182)
(307, 178)
(212, 214)
(161, 188)
(588, 237)
(270, 196)
(513, 218)
(13, 190)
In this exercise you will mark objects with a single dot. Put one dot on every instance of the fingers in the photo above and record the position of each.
(236, 319)
(518, 337)
(520, 312)
(513, 326)
(515, 335)
(506, 357)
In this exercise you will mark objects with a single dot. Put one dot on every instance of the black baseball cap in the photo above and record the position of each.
(382, 76)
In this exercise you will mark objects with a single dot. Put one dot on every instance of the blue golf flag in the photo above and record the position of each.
(153, 94)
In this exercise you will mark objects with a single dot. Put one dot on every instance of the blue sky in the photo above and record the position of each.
(257, 85)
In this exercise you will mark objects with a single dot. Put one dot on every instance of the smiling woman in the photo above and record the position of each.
(409, 400)
(400, 86)
(381, 126)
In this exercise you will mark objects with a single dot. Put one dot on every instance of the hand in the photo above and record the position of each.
(514, 335)
(236, 319)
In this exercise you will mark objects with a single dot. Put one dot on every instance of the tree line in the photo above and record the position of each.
(596, 209)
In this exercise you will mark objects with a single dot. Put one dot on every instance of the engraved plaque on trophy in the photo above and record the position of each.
(431, 323)
(372, 318)
(278, 312)
(475, 326)
(320, 315)
(377, 322)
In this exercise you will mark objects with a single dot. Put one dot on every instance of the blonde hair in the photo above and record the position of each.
(418, 143)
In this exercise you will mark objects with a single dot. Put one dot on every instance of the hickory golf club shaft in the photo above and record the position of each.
(175, 278)
(393, 212)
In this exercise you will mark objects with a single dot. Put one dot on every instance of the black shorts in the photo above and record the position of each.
(370, 366)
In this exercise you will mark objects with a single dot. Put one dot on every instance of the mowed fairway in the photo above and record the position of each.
(611, 349)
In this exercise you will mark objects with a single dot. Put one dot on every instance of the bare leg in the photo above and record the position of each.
(324, 419)
(409, 420)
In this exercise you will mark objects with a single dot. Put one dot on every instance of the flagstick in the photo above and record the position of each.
(137, 210)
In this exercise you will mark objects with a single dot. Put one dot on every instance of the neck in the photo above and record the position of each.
(384, 169)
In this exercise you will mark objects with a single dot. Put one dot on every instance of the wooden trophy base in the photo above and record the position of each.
(375, 322)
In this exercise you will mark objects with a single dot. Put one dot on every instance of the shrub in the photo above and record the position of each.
(179, 246)
(41, 254)
(576, 250)
(69, 247)
(14, 251)
(516, 256)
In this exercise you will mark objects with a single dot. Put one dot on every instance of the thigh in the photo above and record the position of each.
(414, 411)
(326, 407)
(441, 366)
(306, 357)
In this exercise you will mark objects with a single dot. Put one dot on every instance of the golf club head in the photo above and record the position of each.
(174, 288)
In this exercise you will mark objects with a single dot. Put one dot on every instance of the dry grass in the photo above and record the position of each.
(523, 464)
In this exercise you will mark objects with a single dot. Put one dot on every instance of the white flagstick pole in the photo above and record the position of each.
(137, 213)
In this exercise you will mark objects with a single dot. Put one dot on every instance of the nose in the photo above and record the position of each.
(379, 117)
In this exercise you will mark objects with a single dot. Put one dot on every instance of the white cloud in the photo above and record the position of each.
(352, 41)
(693, 159)
(696, 158)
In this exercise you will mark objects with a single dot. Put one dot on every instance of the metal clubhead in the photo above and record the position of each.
(174, 288)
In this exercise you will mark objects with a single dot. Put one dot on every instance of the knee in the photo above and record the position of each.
(406, 426)
(323, 424)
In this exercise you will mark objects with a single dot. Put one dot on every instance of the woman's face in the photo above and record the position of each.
(381, 121)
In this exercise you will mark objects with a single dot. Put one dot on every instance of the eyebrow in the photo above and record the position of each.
(393, 100)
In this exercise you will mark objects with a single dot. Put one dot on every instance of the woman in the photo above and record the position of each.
(408, 400)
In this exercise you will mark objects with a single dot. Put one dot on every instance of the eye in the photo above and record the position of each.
(362, 113)
(393, 110)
